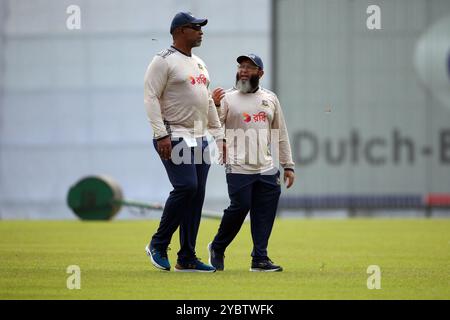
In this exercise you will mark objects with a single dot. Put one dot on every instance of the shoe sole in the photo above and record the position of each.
(266, 270)
(193, 270)
(209, 257)
(147, 251)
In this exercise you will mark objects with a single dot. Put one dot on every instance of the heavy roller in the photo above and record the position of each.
(99, 197)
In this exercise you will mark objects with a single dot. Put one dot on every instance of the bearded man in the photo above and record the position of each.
(253, 122)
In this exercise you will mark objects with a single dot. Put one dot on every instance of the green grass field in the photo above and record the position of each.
(323, 259)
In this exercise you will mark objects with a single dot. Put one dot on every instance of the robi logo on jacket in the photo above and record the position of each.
(201, 79)
(246, 117)
(257, 117)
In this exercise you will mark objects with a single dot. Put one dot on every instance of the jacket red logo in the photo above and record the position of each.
(201, 79)
(257, 117)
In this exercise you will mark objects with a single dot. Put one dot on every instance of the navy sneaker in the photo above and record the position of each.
(158, 258)
(195, 266)
(215, 258)
(265, 266)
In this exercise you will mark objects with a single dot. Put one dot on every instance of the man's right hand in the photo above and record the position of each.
(164, 147)
(218, 95)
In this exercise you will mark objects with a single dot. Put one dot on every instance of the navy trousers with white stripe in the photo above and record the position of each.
(257, 193)
(183, 208)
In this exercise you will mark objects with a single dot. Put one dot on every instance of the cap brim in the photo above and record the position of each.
(240, 58)
(201, 22)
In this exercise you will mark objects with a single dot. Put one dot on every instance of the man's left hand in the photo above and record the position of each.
(289, 177)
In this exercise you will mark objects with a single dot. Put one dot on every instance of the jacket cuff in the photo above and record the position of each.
(163, 137)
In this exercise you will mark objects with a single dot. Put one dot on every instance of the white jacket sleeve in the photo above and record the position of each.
(214, 126)
(154, 85)
(222, 110)
(284, 145)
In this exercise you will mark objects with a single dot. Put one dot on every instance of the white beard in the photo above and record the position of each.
(244, 86)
